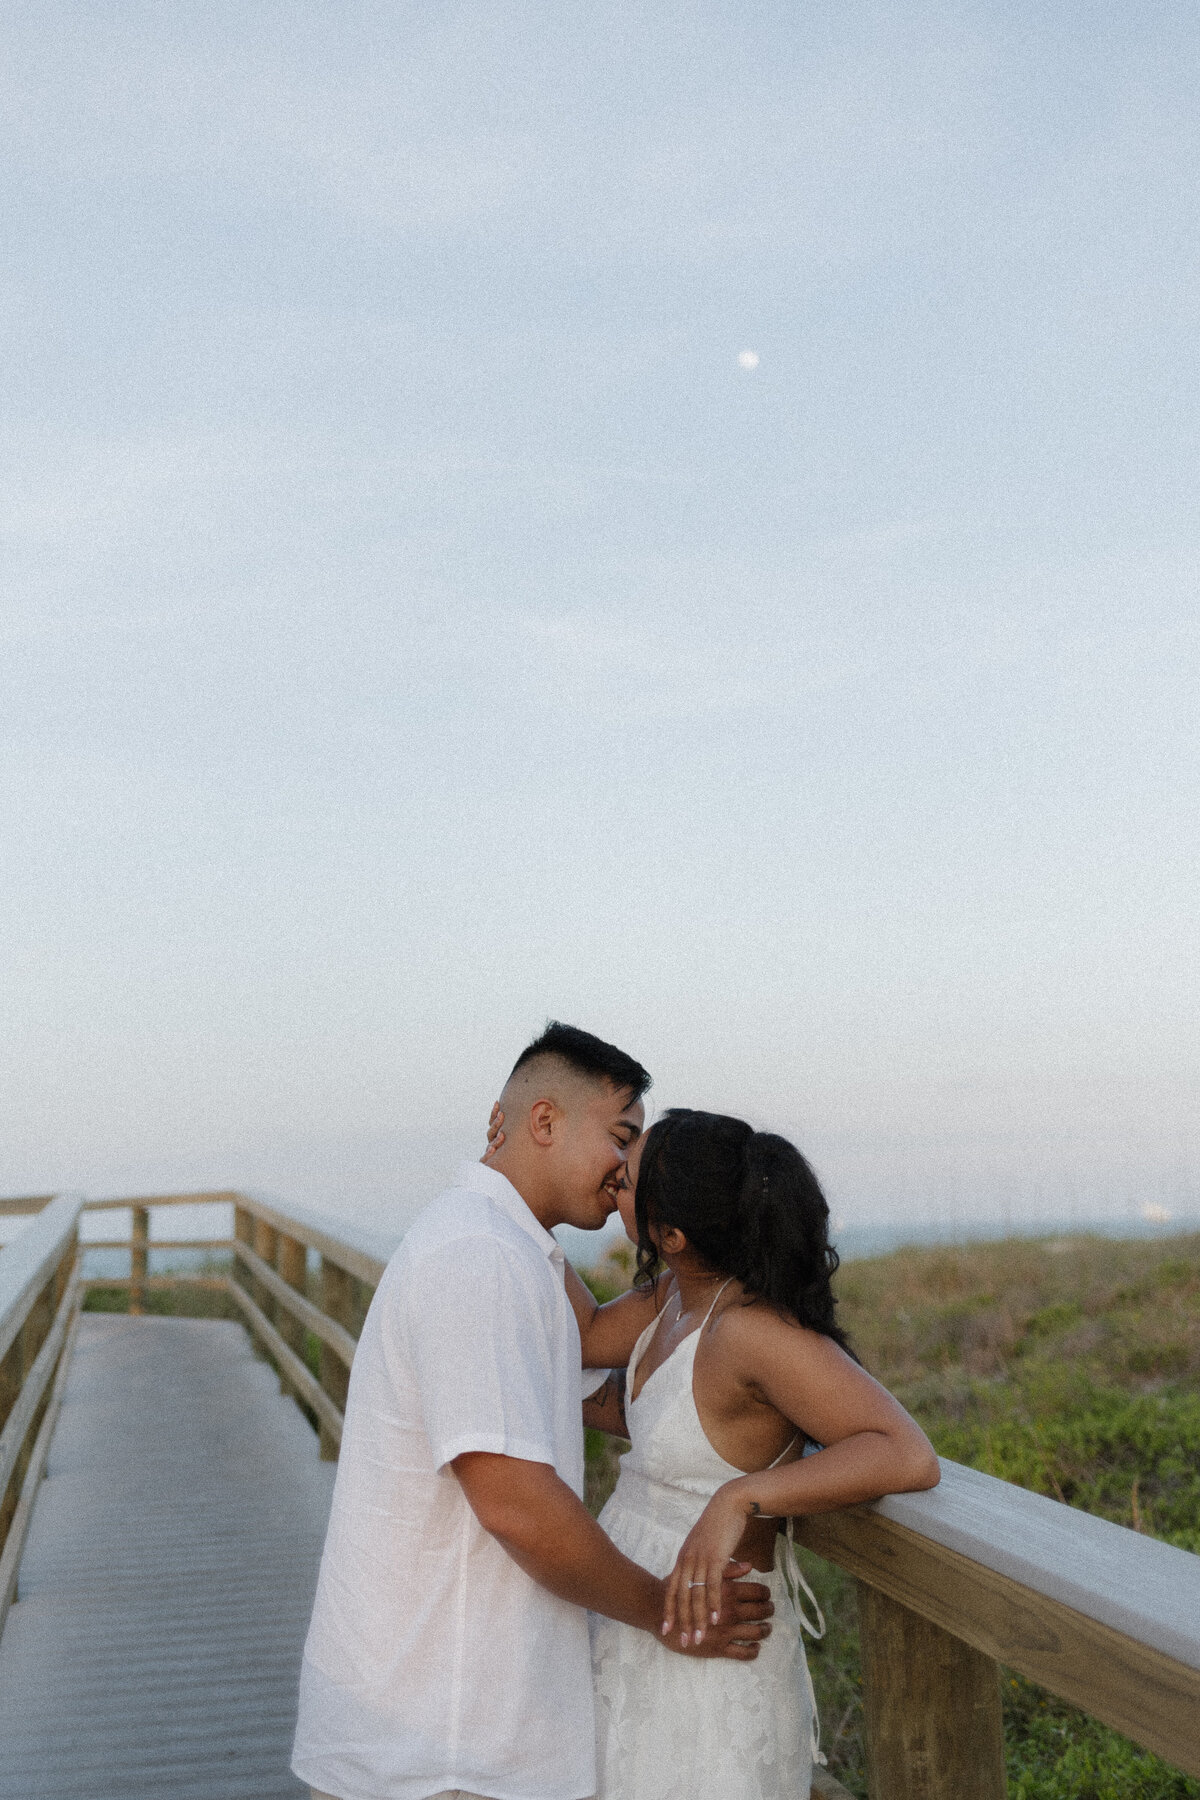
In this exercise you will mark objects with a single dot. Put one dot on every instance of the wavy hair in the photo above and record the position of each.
(749, 1205)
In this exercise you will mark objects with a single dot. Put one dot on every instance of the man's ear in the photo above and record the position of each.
(543, 1116)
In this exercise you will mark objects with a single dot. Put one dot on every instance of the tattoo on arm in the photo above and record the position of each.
(607, 1405)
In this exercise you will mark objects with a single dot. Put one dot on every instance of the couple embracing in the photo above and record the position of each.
(476, 1632)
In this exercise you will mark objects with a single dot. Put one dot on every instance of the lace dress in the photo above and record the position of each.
(672, 1727)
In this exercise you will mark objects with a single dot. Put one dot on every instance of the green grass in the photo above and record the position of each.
(183, 1302)
(1056, 1753)
(1070, 1367)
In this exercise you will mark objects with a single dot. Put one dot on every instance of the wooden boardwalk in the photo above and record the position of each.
(168, 1576)
(168, 1562)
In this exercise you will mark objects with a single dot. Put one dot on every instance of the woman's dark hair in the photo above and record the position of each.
(748, 1204)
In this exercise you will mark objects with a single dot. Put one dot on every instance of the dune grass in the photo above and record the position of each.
(183, 1301)
(1068, 1366)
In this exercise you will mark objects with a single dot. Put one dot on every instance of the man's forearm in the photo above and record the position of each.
(604, 1410)
(549, 1532)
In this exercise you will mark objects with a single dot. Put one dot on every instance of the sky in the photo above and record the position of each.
(418, 621)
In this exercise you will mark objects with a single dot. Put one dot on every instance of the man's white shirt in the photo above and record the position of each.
(433, 1661)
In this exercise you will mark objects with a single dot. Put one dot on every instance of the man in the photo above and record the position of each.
(448, 1650)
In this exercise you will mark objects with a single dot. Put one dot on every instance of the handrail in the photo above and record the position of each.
(269, 1284)
(26, 1263)
(37, 1379)
(329, 1332)
(210, 1197)
(22, 1205)
(952, 1582)
(1098, 1614)
(363, 1254)
(39, 1299)
(1137, 1585)
(14, 1543)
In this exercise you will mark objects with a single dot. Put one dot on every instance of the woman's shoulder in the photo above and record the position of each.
(753, 1327)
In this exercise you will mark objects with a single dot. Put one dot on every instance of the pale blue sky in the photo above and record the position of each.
(416, 623)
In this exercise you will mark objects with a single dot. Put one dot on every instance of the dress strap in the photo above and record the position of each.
(708, 1315)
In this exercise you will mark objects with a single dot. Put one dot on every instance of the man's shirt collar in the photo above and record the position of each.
(478, 1178)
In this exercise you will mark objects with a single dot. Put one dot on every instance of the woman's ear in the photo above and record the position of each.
(672, 1242)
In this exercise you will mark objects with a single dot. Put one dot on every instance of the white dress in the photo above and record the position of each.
(671, 1727)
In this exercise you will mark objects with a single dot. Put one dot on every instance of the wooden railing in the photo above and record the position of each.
(952, 1583)
(978, 1573)
(294, 1276)
(39, 1300)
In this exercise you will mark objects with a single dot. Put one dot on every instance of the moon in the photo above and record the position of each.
(748, 359)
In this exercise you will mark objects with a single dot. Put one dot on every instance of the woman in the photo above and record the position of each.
(734, 1363)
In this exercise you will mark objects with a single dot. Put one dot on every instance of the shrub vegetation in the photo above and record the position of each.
(1069, 1366)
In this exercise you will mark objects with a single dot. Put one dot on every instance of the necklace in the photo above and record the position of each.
(679, 1308)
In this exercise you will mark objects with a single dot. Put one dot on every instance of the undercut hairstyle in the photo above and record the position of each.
(587, 1055)
(748, 1204)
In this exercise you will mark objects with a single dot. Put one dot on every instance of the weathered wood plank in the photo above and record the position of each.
(1116, 1576)
(159, 1283)
(209, 1197)
(265, 1242)
(298, 1373)
(37, 1380)
(17, 1207)
(331, 1333)
(291, 1271)
(167, 1578)
(28, 1264)
(14, 1540)
(210, 1244)
(931, 1704)
(1151, 1697)
(139, 1257)
(363, 1254)
(337, 1301)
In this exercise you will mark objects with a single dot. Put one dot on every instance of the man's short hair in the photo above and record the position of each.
(587, 1055)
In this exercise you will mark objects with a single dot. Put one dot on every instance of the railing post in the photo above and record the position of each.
(263, 1242)
(62, 1274)
(138, 1258)
(243, 1231)
(934, 1729)
(291, 1260)
(12, 1374)
(337, 1302)
(27, 1343)
(264, 1245)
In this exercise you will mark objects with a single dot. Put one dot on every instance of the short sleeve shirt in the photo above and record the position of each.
(433, 1661)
